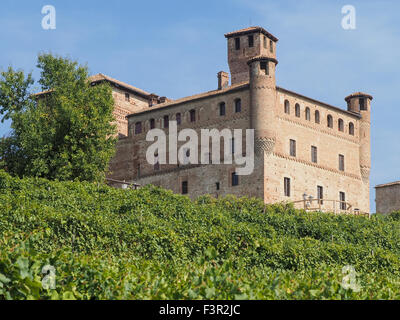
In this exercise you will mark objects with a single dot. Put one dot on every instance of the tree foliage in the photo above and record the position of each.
(66, 132)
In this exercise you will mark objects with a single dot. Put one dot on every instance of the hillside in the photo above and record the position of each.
(107, 243)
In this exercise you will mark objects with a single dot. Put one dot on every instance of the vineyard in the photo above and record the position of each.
(106, 243)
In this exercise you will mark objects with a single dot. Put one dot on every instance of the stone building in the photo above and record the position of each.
(303, 146)
(388, 197)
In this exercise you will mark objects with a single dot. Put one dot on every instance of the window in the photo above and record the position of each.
(251, 41)
(235, 179)
(233, 145)
(178, 119)
(308, 114)
(287, 107)
(265, 42)
(138, 127)
(271, 46)
(222, 109)
(192, 115)
(138, 170)
(186, 159)
(317, 117)
(342, 198)
(351, 128)
(207, 159)
(166, 121)
(341, 162)
(127, 97)
(341, 125)
(297, 110)
(286, 183)
(320, 194)
(152, 123)
(293, 148)
(238, 105)
(217, 186)
(363, 107)
(264, 67)
(157, 165)
(314, 154)
(237, 43)
(185, 188)
(330, 121)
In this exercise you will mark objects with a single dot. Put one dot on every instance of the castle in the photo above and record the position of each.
(304, 147)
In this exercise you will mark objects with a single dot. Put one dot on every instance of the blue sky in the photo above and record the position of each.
(175, 48)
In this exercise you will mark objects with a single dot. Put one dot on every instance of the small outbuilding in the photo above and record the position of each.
(388, 197)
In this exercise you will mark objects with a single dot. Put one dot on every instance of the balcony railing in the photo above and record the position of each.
(327, 205)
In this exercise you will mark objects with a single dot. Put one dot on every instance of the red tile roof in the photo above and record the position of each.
(388, 184)
(358, 95)
(102, 77)
(251, 30)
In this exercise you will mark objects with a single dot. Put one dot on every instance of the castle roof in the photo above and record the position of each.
(355, 114)
(101, 77)
(388, 184)
(204, 95)
(249, 30)
(235, 87)
(358, 95)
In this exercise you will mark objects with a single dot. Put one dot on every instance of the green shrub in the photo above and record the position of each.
(107, 243)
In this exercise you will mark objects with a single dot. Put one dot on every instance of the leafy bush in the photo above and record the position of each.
(107, 243)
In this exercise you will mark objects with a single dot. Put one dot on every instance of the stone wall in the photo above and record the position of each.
(388, 198)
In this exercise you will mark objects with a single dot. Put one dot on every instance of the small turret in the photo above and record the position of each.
(361, 103)
(262, 101)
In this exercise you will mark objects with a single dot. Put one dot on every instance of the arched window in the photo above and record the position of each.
(152, 124)
(238, 105)
(297, 110)
(178, 119)
(192, 115)
(317, 117)
(330, 121)
(351, 128)
(341, 125)
(308, 114)
(166, 121)
(287, 107)
(138, 127)
(222, 109)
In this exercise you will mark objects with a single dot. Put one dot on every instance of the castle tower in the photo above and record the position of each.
(361, 103)
(262, 101)
(246, 44)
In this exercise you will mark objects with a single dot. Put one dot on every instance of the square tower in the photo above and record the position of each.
(245, 44)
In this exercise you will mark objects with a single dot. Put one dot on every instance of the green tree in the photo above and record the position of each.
(64, 133)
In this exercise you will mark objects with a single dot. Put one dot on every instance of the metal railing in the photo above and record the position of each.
(327, 205)
(122, 184)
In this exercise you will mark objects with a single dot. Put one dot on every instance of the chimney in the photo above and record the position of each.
(223, 80)
(163, 100)
(153, 99)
